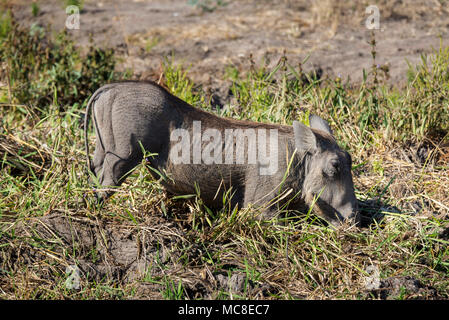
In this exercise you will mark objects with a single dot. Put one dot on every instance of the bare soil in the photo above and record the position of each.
(125, 254)
(140, 256)
(333, 33)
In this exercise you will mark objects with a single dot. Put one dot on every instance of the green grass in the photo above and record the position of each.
(42, 69)
(48, 220)
(35, 9)
(78, 3)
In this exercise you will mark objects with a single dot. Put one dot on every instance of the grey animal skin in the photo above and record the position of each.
(311, 167)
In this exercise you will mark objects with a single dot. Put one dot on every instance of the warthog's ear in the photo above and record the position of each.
(305, 139)
(320, 124)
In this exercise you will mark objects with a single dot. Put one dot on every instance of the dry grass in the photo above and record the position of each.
(144, 244)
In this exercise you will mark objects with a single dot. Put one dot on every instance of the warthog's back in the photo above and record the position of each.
(132, 113)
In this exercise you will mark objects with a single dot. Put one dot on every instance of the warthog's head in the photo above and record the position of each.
(327, 182)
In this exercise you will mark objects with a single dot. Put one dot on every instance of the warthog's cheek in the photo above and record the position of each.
(323, 210)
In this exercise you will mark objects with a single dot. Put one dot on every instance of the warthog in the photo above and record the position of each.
(288, 167)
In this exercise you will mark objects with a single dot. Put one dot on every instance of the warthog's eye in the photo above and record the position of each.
(332, 168)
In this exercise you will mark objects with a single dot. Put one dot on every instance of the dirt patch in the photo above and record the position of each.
(334, 34)
(105, 252)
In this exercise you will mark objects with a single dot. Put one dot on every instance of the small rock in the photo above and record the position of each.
(236, 283)
(372, 282)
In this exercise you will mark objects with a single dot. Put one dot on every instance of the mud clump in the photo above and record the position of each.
(403, 287)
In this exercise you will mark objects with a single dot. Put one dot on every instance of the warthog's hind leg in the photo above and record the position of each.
(113, 171)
